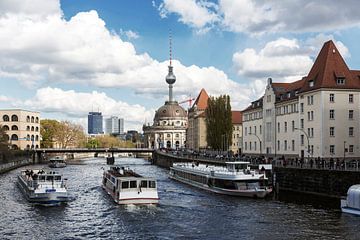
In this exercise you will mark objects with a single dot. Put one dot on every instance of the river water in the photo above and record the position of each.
(183, 212)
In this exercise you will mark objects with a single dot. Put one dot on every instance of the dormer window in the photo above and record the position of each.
(340, 81)
(311, 83)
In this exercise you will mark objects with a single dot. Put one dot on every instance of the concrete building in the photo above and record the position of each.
(114, 125)
(317, 116)
(196, 132)
(170, 122)
(236, 117)
(95, 123)
(22, 128)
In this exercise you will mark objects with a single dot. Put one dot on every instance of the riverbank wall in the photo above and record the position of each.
(5, 167)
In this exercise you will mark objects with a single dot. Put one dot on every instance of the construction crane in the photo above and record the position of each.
(189, 100)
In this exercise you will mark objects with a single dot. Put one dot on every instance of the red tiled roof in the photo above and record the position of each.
(236, 117)
(201, 101)
(329, 65)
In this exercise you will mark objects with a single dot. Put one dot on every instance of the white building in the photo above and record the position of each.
(22, 128)
(114, 125)
(317, 116)
(170, 122)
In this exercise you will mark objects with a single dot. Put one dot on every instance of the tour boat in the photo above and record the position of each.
(57, 162)
(352, 202)
(236, 179)
(43, 187)
(127, 187)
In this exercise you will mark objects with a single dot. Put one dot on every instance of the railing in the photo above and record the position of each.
(7, 166)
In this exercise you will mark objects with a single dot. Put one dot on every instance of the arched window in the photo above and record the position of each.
(32, 119)
(168, 144)
(14, 137)
(32, 128)
(36, 129)
(177, 135)
(14, 146)
(28, 146)
(37, 146)
(36, 138)
(28, 138)
(6, 127)
(28, 128)
(14, 127)
(32, 137)
(177, 144)
(14, 118)
(37, 120)
(6, 118)
(32, 146)
(6, 137)
(28, 120)
(168, 135)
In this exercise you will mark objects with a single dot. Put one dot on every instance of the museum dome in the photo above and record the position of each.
(170, 110)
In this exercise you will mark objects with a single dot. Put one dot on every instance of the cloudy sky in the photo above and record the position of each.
(65, 58)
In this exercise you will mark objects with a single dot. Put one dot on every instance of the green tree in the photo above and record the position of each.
(48, 130)
(3, 139)
(219, 123)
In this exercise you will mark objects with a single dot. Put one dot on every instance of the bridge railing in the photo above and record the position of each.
(347, 165)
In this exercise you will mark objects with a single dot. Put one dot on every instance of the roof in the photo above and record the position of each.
(328, 66)
(201, 101)
(236, 117)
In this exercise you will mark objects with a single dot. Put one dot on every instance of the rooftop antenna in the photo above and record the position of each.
(170, 52)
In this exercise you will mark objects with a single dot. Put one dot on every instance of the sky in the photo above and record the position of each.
(65, 58)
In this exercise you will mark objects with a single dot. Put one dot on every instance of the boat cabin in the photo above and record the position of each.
(353, 197)
(237, 166)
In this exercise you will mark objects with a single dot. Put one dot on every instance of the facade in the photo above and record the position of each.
(196, 132)
(236, 146)
(315, 117)
(22, 128)
(95, 123)
(170, 122)
(114, 125)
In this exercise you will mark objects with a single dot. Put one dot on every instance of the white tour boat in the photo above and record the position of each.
(235, 179)
(127, 187)
(43, 187)
(57, 162)
(352, 202)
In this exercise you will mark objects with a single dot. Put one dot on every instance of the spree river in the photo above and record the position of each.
(183, 212)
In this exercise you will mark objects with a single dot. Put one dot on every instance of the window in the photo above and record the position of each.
(14, 137)
(177, 135)
(6, 128)
(278, 127)
(36, 138)
(278, 145)
(28, 119)
(293, 125)
(14, 118)
(14, 127)
(351, 114)
(332, 114)
(246, 131)
(254, 129)
(351, 98)
(351, 131)
(32, 128)
(6, 118)
(308, 113)
(310, 100)
(311, 83)
(268, 132)
(340, 81)
(152, 184)
(144, 184)
(168, 135)
(312, 132)
(124, 185)
(37, 120)
(133, 184)
(332, 97)
(260, 129)
(268, 98)
(285, 145)
(332, 149)
(301, 123)
(351, 148)
(301, 107)
(302, 140)
(312, 115)
(32, 119)
(285, 126)
(255, 146)
(249, 130)
(250, 146)
(245, 145)
(292, 145)
(332, 131)
(28, 128)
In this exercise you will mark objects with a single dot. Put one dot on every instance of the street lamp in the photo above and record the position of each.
(307, 137)
(258, 139)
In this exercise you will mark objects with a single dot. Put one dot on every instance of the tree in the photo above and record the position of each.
(219, 123)
(48, 129)
(3, 139)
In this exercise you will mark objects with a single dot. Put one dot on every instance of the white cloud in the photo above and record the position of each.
(260, 16)
(198, 14)
(129, 34)
(317, 42)
(76, 105)
(4, 98)
(34, 8)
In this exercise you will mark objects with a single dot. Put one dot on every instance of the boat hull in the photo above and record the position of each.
(144, 198)
(346, 209)
(57, 165)
(253, 193)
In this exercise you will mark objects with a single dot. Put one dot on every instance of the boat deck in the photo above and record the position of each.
(125, 173)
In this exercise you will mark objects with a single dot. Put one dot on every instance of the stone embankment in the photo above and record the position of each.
(5, 167)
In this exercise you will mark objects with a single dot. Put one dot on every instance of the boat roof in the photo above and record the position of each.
(237, 162)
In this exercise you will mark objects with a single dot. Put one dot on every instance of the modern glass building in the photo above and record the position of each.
(114, 125)
(95, 123)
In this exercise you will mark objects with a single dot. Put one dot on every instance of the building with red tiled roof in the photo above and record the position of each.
(236, 117)
(196, 132)
(316, 116)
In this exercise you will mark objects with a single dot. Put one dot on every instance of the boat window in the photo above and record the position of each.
(42, 178)
(124, 185)
(57, 178)
(133, 184)
(112, 179)
(49, 178)
(253, 185)
(144, 184)
(152, 184)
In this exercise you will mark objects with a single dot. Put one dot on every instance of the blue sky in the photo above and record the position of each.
(65, 58)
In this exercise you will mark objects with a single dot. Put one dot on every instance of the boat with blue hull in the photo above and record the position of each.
(43, 187)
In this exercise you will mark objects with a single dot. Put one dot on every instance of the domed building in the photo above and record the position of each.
(170, 122)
